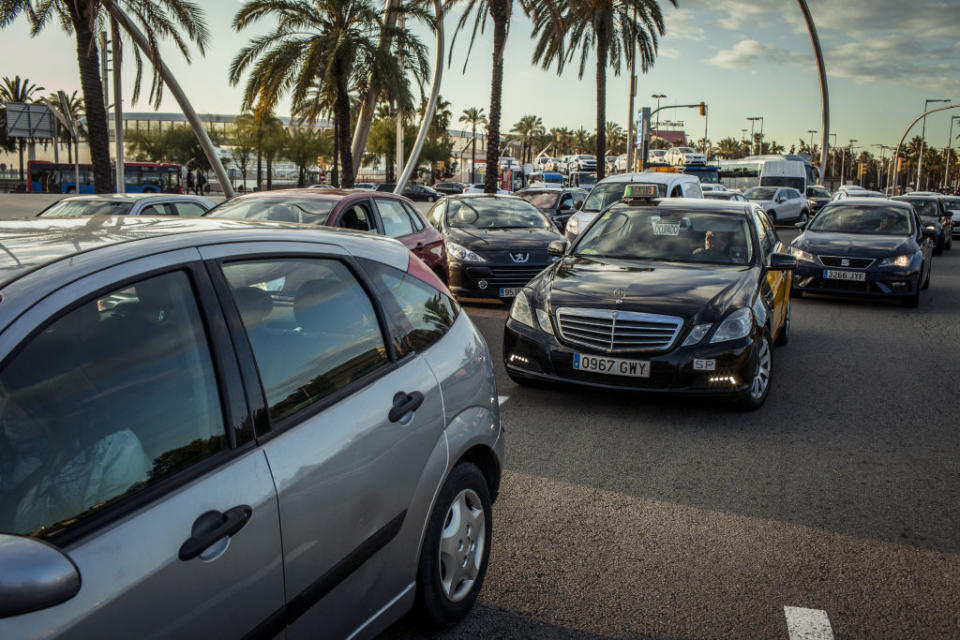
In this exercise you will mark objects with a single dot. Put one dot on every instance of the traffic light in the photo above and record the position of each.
(900, 163)
(703, 109)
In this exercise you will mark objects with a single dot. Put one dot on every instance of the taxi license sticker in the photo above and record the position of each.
(666, 229)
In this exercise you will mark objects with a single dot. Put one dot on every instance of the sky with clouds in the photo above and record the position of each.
(743, 57)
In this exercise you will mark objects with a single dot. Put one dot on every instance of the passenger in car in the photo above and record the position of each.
(70, 478)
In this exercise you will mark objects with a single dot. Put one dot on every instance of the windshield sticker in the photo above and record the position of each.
(665, 229)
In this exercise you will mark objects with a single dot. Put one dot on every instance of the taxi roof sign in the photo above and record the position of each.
(640, 192)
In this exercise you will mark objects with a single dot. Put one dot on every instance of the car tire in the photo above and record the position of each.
(762, 377)
(430, 198)
(772, 214)
(949, 243)
(71, 190)
(784, 336)
(926, 282)
(459, 525)
(938, 247)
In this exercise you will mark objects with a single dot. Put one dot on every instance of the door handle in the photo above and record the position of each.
(419, 245)
(211, 527)
(404, 403)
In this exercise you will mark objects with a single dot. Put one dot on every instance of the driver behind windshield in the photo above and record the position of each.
(714, 249)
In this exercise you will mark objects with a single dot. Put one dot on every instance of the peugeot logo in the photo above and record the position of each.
(845, 262)
(618, 294)
(520, 257)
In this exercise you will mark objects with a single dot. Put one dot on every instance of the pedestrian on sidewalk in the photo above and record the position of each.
(191, 181)
(201, 182)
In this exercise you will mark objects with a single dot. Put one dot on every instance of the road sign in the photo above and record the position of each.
(29, 120)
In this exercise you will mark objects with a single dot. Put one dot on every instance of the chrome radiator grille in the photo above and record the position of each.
(613, 331)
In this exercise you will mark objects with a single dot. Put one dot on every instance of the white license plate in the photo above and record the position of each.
(856, 276)
(612, 366)
(510, 292)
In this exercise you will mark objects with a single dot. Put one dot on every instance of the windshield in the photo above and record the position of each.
(542, 200)
(75, 208)
(303, 210)
(883, 221)
(495, 213)
(760, 193)
(650, 233)
(605, 195)
(686, 150)
(927, 208)
(817, 192)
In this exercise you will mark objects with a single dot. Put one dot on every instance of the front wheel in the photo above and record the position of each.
(926, 282)
(456, 549)
(762, 376)
(784, 336)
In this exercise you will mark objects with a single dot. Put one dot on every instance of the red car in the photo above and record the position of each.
(377, 212)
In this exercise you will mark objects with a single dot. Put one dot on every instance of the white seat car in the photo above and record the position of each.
(681, 156)
(610, 190)
(782, 204)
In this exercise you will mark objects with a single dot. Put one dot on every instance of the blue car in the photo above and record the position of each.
(864, 247)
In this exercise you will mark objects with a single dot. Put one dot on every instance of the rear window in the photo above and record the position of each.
(542, 200)
(76, 208)
(867, 220)
(302, 210)
(605, 195)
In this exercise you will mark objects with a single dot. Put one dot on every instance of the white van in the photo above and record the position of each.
(610, 190)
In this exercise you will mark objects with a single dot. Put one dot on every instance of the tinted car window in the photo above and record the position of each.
(418, 314)
(849, 218)
(649, 233)
(760, 193)
(495, 213)
(356, 217)
(435, 215)
(115, 395)
(927, 208)
(396, 221)
(189, 209)
(302, 210)
(74, 208)
(311, 325)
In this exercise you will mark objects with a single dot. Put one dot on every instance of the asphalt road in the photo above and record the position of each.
(626, 516)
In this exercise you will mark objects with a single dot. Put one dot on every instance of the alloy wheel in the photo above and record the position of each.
(462, 541)
(761, 378)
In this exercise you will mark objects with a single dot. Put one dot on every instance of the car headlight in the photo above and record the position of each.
(736, 326)
(462, 254)
(573, 225)
(897, 261)
(521, 312)
(800, 254)
(696, 334)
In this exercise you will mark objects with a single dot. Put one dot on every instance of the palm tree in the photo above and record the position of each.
(71, 109)
(499, 12)
(527, 128)
(473, 116)
(616, 139)
(729, 148)
(609, 28)
(19, 90)
(321, 42)
(179, 20)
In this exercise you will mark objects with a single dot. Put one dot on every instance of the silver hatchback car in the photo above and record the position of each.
(224, 429)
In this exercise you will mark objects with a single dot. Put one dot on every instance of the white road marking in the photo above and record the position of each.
(808, 624)
(502, 399)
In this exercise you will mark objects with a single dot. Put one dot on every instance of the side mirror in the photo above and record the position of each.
(557, 248)
(782, 262)
(800, 225)
(781, 199)
(34, 575)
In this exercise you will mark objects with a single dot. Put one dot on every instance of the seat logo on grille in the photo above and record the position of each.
(520, 257)
(845, 262)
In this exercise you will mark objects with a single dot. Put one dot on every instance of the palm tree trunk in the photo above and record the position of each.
(499, 10)
(269, 173)
(473, 154)
(20, 144)
(342, 109)
(602, 48)
(365, 118)
(96, 112)
(259, 169)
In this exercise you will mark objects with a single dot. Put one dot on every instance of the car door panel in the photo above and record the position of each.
(133, 581)
(345, 479)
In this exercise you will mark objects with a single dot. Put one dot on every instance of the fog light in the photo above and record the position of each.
(482, 284)
(724, 380)
(900, 286)
(516, 358)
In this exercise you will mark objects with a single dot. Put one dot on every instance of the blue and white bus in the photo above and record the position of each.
(139, 177)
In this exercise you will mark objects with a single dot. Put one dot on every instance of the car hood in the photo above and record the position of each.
(685, 290)
(854, 245)
(484, 241)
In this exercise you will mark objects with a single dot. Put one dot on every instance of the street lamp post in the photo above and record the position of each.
(946, 154)
(812, 133)
(833, 160)
(923, 136)
(843, 159)
(657, 97)
(880, 165)
(753, 141)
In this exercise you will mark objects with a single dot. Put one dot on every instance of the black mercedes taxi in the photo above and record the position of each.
(682, 296)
